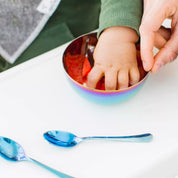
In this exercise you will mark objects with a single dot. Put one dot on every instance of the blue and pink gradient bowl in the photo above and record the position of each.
(85, 45)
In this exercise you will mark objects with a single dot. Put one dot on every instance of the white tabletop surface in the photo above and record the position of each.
(36, 97)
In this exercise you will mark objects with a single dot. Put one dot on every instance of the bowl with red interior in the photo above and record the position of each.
(78, 61)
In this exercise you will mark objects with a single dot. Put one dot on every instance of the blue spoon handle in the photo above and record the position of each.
(59, 174)
(133, 138)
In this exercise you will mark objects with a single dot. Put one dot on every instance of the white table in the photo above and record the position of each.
(36, 97)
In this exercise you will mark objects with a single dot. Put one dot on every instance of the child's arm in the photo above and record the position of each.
(115, 53)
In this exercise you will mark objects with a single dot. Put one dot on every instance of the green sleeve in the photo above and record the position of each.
(120, 13)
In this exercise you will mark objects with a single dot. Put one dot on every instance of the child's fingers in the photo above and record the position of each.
(134, 75)
(123, 79)
(110, 80)
(94, 76)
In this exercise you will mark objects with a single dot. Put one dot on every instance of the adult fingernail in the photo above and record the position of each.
(158, 66)
(144, 65)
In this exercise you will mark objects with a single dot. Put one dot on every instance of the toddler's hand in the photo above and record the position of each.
(115, 58)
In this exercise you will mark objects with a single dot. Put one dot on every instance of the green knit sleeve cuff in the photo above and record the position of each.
(120, 13)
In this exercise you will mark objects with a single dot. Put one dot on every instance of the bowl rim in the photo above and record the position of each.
(93, 89)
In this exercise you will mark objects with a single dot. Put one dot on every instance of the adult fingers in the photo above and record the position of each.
(161, 37)
(160, 41)
(150, 24)
(165, 32)
(94, 76)
(110, 80)
(146, 45)
(169, 52)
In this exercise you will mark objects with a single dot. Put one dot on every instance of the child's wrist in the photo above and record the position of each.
(121, 34)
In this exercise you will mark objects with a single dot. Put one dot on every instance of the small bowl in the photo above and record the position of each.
(84, 45)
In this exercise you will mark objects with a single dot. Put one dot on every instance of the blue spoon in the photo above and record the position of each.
(67, 139)
(12, 151)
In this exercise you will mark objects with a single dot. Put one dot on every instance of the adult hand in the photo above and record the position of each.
(153, 34)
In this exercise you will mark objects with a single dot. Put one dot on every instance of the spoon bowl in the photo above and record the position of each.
(67, 139)
(13, 151)
(62, 138)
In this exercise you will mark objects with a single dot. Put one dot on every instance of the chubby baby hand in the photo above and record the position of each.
(115, 58)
